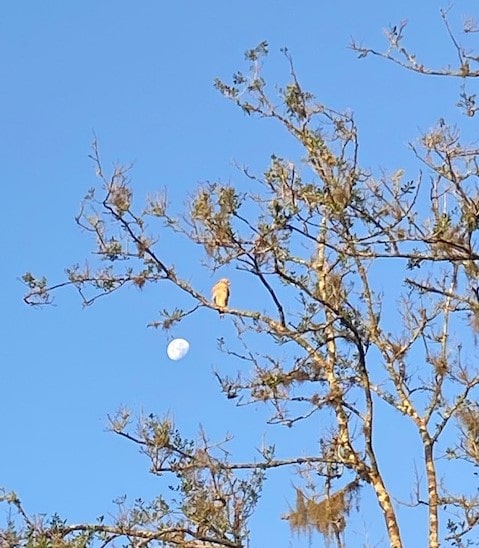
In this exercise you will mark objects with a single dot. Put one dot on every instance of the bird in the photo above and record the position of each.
(221, 293)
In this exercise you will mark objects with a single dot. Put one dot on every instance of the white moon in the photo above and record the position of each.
(177, 349)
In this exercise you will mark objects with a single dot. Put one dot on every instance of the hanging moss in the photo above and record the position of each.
(327, 515)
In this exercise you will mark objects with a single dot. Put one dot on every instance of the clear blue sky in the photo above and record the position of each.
(140, 75)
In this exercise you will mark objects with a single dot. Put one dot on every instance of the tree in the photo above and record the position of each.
(313, 236)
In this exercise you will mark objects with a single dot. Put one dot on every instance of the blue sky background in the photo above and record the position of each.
(140, 75)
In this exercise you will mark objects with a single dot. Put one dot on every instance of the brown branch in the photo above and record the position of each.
(274, 463)
(167, 535)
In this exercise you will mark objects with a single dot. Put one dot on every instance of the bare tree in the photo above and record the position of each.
(313, 236)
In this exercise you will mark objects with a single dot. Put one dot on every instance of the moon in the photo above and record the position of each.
(177, 349)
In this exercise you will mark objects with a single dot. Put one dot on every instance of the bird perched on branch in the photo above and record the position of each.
(221, 292)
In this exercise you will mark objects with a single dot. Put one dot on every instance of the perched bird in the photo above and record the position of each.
(221, 292)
